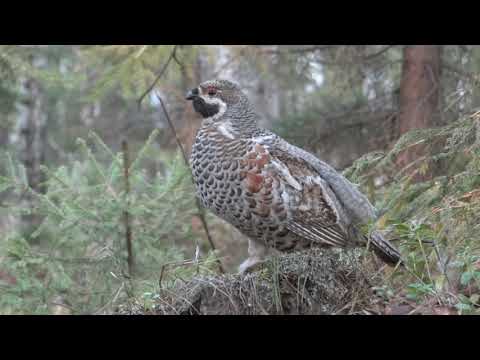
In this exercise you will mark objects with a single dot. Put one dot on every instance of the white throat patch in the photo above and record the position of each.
(223, 126)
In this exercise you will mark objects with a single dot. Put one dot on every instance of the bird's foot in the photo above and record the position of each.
(250, 265)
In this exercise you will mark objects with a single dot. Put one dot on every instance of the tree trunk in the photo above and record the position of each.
(419, 95)
(33, 134)
(4, 130)
(262, 102)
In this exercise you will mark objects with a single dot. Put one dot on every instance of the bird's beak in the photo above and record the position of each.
(192, 94)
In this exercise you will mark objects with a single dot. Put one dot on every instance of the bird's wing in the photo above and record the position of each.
(314, 212)
(355, 204)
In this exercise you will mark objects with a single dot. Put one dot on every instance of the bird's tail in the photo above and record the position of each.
(384, 249)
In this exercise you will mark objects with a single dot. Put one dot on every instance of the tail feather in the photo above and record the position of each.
(384, 249)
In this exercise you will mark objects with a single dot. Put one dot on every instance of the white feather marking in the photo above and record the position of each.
(334, 233)
(323, 234)
(315, 234)
(222, 107)
(285, 197)
(224, 129)
(286, 173)
(313, 180)
(326, 194)
(332, 239)
(304, 207)
(261, 139)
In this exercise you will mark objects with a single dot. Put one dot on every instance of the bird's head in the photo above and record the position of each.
(213, 98)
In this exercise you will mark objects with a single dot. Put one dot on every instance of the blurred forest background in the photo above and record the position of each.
(401, 121)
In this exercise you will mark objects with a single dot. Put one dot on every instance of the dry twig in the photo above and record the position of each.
(126, 214)
(201, 213)
(160, 74)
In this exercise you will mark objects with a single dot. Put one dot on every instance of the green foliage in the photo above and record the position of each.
(78, 250)
(292, 127)
(7, 94)
(436, 221)
(133, 68)
(81, 253)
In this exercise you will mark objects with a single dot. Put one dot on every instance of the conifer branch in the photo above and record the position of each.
(171, 57)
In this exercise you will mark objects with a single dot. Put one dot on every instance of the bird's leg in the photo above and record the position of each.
(257, 252)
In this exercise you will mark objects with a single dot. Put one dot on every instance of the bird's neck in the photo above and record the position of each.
(235, 123)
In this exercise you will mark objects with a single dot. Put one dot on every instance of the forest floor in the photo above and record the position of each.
(314, 282)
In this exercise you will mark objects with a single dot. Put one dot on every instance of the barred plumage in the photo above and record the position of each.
(277, 194)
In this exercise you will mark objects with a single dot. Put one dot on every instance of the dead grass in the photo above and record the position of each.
(311, 282)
